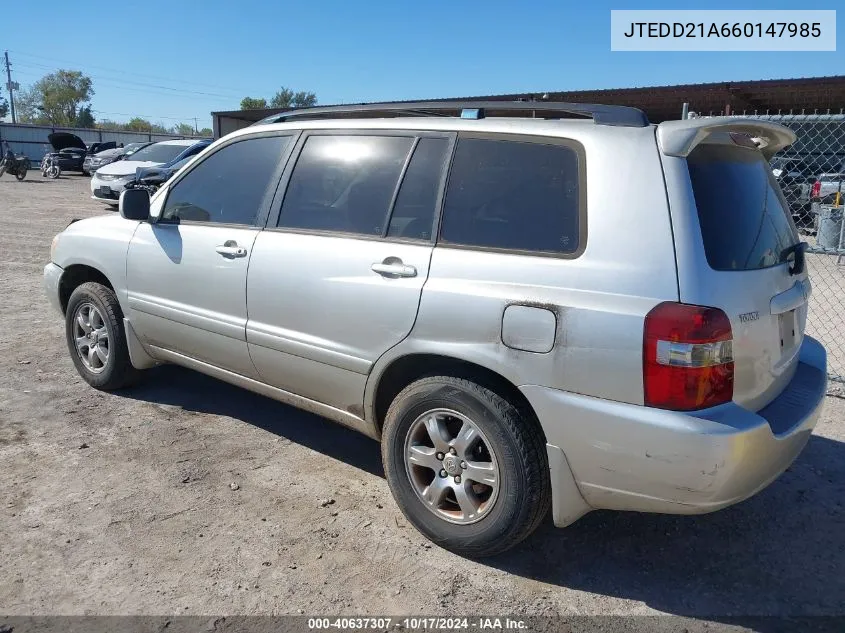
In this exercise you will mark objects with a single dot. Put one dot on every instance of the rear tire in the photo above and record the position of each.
(21, 173)
(96, 338)
(508, 451)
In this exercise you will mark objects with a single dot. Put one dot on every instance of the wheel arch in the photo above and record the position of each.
(401, 370)
(76, 274)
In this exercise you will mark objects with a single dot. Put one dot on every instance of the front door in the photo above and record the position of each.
(186, 274)
(336, 280)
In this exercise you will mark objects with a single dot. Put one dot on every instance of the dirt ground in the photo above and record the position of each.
(187, 496)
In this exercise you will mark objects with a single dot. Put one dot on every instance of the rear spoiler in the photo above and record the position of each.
(679, 138)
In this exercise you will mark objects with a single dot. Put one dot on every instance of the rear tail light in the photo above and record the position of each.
(816, 190)
(687, 357)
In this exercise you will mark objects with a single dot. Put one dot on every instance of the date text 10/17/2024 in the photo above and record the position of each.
(420, 623)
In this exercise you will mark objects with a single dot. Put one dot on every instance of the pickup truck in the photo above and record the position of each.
(827, 185)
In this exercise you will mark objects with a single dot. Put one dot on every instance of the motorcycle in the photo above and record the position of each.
(50, 167)
(16, 166)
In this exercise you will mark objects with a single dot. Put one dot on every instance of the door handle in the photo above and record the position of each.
(231, 249)
(394, 269)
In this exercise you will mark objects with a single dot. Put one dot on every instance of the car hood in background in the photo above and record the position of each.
(125, 167)
(63, 140)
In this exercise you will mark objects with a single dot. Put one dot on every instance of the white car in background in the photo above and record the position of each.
(110, 180)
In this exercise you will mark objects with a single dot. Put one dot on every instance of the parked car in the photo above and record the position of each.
(152, 178)
(93, 162)
(110, 180)
(468, 290)
(71, 151)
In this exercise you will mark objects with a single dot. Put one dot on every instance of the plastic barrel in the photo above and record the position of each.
(830, 226)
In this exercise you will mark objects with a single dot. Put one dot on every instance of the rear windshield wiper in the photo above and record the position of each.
(798, 249)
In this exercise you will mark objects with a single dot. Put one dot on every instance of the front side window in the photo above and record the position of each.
(228, 187)
(344, 183)
(513, 195)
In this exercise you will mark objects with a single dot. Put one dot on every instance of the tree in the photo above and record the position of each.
(184, 129)
(304, 100)
(282, 99)
(27, 104)
(206, 131)
(4, 107)
(137, 124)
(111, 126)
(287, 98)
(56, 98)
(250, 103)
(85, 118)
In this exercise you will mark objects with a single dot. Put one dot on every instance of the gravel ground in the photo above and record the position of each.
(187, 496)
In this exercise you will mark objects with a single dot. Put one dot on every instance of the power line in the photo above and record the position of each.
(150, 116)
(136, 83)
(147, 91)
(123, 71)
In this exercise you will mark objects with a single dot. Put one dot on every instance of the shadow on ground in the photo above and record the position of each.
(780, 553)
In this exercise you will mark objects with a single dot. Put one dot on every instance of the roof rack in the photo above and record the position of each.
(601, 114)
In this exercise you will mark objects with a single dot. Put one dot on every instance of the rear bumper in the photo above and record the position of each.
(629, 457)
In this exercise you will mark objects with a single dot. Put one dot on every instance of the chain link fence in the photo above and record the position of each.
(811, 173)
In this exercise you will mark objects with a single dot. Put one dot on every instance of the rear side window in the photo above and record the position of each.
(413, 213)
(745, 222)
(513, 195)
(345, 183)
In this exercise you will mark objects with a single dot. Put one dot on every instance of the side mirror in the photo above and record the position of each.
(135, 204)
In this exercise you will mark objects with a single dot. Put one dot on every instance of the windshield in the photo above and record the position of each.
(131, 148)
(745, 221)
(159, 153)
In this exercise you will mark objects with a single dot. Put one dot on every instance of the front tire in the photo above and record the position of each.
(466, 468)
(96, 338)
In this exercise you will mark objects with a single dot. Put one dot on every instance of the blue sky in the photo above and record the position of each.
(178, 60)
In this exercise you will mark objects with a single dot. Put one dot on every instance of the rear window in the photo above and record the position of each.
(745, 221)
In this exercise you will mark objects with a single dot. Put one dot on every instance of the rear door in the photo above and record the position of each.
(736, 246)
(335, 279)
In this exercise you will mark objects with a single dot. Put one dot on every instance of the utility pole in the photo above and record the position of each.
(11, 86)
(196, 129)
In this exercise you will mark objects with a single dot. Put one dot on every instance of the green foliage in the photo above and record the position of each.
(206, 131)
(287, 98)
(85, 118)
(304, 100)
(137, 124)
(249, 103)
(4, 107)
(184, 129)
(284, 98)
(56, 98)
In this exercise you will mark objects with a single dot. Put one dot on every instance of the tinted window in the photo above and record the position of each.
(228, 186)
(159, 152)
(745, 222)
(512, 195)
(413, 213)
(344, 183)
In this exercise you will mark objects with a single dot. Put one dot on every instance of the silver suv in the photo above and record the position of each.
(528, 309)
